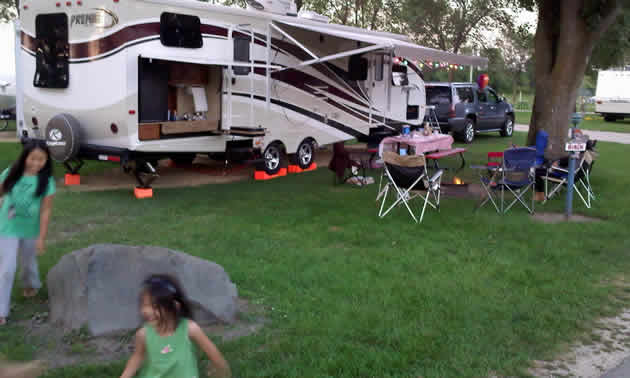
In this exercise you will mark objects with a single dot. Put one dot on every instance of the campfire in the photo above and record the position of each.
(458, 181)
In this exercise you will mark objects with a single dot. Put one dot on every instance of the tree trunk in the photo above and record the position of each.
(563, 44)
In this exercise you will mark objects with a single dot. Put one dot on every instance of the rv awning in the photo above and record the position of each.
(400, 48)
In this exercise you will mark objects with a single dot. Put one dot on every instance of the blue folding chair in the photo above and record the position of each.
(519, 175)
(542, 139)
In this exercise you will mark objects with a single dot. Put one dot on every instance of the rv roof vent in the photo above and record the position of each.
(283, 7)
(313, 16)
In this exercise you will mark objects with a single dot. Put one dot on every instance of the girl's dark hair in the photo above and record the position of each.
(167, 298)
(17, 169)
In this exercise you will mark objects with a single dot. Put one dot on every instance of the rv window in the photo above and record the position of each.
(413, 111)
(52, 51)
(378, 68)
(180, 30)
(241, 54)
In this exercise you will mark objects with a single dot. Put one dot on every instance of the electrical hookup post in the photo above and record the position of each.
(574, 146)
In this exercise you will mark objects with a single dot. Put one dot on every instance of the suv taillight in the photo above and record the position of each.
(451, 111)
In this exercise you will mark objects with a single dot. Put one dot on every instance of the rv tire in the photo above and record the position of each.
(63, 137)
(273, 158)
(306, 153)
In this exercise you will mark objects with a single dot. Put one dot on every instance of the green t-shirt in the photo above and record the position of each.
(19, 214)
(173, 356)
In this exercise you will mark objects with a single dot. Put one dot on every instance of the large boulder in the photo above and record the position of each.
(99, 287)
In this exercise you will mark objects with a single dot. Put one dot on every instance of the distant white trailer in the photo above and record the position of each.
(7, 67)
(612, 97)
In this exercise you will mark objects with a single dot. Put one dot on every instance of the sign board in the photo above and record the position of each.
(575, 147)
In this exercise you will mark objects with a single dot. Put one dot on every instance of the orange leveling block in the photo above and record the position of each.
(72, 179)
(262, 175)
(141, 193)
(297, 169)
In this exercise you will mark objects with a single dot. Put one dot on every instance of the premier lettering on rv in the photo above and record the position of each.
(101, 18)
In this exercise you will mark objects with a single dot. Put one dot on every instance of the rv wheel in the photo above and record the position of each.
(63, 137)
(273, 158)
(306, 153)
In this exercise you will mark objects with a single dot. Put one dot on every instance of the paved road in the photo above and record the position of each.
(604, 136)
(621, 371)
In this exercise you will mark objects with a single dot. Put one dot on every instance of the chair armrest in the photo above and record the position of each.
(436, 176)
(552, 168)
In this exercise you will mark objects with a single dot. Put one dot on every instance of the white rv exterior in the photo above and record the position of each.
(116, 83)
(612, 96)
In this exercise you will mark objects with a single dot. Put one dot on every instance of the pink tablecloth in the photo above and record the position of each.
(420, 142)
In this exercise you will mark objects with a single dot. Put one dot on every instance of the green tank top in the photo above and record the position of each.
(173, 356)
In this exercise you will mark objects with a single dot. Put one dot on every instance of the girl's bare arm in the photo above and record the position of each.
(44, 220)
(214, 355)
(137, 358)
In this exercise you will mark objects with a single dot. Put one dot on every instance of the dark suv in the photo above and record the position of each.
(465, 109)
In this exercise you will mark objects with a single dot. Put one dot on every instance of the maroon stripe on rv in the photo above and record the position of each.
(323, 68)
(299, 79)
(113, 41)
(213, 30)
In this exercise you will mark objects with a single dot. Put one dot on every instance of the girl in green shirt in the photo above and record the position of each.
(27, 190)
(166, 344)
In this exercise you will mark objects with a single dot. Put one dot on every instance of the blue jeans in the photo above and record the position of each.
(9, 248)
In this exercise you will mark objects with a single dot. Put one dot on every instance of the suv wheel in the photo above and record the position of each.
(508, 127)
(468, 134)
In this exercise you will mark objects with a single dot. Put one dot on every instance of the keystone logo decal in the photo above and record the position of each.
(55, 138)
(100, 18)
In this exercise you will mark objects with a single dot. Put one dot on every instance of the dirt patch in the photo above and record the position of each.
(8, 136)
(462, 191)
(553, 218)
(58, 347)
(203, 171)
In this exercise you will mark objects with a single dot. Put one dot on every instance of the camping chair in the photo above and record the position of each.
(558, 177)
(495, 159)
(542, 139)
(519, 165)
(407, 177)
(515, 176)
(489, 179)
(344, 167)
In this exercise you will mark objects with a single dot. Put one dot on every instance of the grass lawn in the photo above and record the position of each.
(349, 295)
(590, 122)
(11, 126)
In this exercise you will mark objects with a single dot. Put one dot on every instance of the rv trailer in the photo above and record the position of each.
(7, 74)
(612, 95)
(138, 80)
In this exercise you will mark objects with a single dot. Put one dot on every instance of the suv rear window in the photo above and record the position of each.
(52, 51)
(438, 95)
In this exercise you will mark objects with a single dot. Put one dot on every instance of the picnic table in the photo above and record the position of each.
(436, 146)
